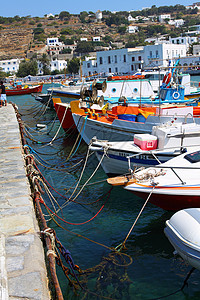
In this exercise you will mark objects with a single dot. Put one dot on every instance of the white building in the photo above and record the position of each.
(184, 40)
(196, 50)
(96, 39)
(54, 65)
(190, 61)
(10, 65)
(160, 54)
(53, 42)
(98, 15)
(83, 39)
(177, 23)
(162, 18)
(49, 15)
(132, 29)
(129, 60)
(131, 19)
(194, 5)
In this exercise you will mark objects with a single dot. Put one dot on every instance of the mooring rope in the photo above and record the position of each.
(122, 245)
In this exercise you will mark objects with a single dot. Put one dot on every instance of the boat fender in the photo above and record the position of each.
(167, 78)
(175, 95)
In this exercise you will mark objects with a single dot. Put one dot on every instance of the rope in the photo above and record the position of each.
(82, 128)
(122, 245)
(70, 223)
(89, 178)
(59, 126)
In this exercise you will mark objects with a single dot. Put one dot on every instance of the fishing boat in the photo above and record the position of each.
(123, 122)
(173, 185)
(182, 230)
(23, 90)
(165, 142)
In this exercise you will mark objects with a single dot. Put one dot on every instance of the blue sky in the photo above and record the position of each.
(38, 8)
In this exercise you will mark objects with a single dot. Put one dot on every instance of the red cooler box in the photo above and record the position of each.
(145, 141)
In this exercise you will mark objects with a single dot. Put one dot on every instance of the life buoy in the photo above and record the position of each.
(176, 95)
(167, 78)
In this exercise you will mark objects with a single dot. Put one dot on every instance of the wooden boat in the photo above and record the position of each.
(164, 143)
(20, 90)
(182, 230)
(174, 184)
(123, 122)
(126, 77)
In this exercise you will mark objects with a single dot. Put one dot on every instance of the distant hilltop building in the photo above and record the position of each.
(98, 15)
(194, 5)
(49, 15)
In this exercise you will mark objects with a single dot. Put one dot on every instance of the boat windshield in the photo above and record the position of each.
(193, 157)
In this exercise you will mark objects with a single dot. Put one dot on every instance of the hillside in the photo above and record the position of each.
(20, 35)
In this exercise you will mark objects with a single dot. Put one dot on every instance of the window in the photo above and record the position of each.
(88, 65)
(14, 63)
(156, 53)
(116, 70)
(124, 57)
(100, 60)
(132, 68)
(8, 63)
(182, 41)
(115, 58)
(109, 70)
(139, 58)
(150, 53)
(109, 60)
(133, 58)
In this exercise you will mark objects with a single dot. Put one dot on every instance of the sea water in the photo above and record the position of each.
(154, 272)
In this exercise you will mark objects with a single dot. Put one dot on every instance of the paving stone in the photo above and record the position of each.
(15, 263)
(18, 244)
(16, 223)
(28, 285)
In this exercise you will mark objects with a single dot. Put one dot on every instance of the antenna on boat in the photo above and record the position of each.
(159, 88)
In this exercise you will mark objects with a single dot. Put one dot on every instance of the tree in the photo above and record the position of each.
(122, 29)
(84, 47)
(73, 65)
(83, 15)
(27, 68)
(66, 50)
(64, 15)
(45, 64)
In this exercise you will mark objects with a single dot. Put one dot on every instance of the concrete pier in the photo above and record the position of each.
(23, 272)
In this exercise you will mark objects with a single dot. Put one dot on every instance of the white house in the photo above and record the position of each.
(162, 18)
(160, 54)
(196, 50)
(177, 23)
(184, 40)
(194, 5)
(49, 15)
(130, 18)
(96, 39)
(10, 65)
(54, 42)
(129, 60)
(54, 65)
(132, 29)
(83, 39)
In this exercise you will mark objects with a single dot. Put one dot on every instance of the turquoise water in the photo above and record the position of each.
(155, 272)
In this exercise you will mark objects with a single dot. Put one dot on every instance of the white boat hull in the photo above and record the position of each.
(183, 230)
